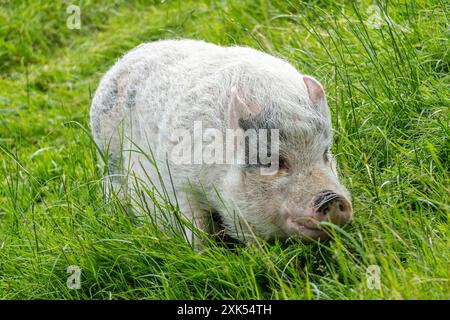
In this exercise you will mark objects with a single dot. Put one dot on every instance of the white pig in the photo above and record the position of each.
(161, 89)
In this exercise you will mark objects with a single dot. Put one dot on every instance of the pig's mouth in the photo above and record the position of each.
(306, 229)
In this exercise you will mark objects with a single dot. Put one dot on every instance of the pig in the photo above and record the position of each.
(159, 88)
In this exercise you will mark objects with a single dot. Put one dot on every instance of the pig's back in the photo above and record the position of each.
(162, 86)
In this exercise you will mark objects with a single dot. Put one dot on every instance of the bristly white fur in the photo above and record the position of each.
(162, 86)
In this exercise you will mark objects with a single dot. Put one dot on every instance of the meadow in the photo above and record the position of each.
(385, 67)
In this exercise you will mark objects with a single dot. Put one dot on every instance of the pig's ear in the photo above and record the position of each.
(240, 108)
(316, 93)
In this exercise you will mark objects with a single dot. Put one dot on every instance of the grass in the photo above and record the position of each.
(385, 66)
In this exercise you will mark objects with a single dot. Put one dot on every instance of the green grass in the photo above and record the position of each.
(388, 86)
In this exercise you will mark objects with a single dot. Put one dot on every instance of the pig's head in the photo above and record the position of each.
(299, 188)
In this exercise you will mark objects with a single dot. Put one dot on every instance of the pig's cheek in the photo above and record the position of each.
(310, 213)
(240, 182)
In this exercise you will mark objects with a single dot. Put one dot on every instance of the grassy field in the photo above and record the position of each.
(386, 71)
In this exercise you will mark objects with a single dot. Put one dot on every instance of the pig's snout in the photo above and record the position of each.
(325, 206)
(330, 206)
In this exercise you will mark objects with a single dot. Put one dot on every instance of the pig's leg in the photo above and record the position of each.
(193, 220)
(201, 218)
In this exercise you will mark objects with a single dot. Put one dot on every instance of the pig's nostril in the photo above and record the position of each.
(334, 208)
(323, 200)
(340, 205)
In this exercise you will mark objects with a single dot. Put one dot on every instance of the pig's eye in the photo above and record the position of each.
(283, 164)
(327, 156)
